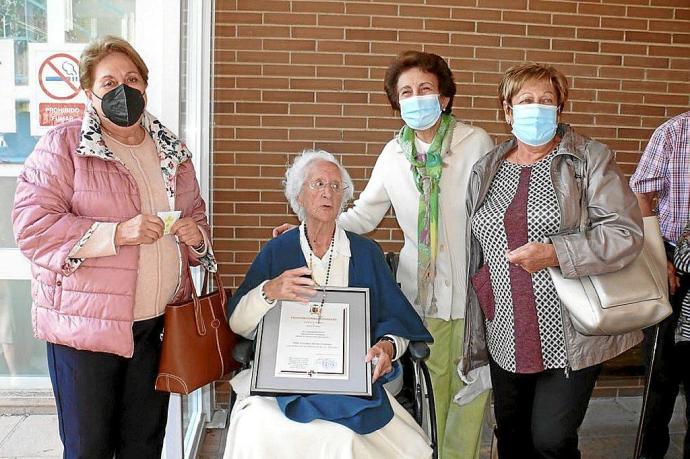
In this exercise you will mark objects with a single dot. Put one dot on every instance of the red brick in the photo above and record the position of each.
(314, 109)
(575, 45)
(551, 57)
(262, 31)
(317, 32)
(524, 42)
(344, 21)
(610, 96)
(476, 14)
(316, 58)
(262, 83)
(668, 75)
(501, 28)
(526, 17)
(449, 52)
(512, 5)
(370, 9)
(648, 37)
(342, 46)
(627, 73)
(450, 25)
(576, 20)
(425, 11)
(600, 34)
(466, 39)
(371, 35)
(680, 38)
(263, 57)
(553, 6)
(263, 5)
(598, 9)
(549, 32)
(642, 110)
(671, 51)
(597, 59)
(289, 18)
(424, 37)
(497, 53)
(623, 48)
(289, 70)
(650, 12)
(289, 45)
(644, 86)
(288, 96)
(397, 23)
(624, 23)
(647, 62)
(318, 7)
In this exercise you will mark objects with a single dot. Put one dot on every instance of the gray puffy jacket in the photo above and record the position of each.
(613, 239)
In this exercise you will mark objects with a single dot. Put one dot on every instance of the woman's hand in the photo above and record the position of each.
(291, 286)
(278, 230)
(382, 354)
(187, 231)
(533, 256)
(142, 229)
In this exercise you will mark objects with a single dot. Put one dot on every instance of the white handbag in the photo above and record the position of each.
(631, 298)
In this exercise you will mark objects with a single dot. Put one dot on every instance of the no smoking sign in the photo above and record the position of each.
(54, 78)
(58, 76)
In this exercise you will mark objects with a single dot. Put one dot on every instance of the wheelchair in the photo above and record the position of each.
(413, 390)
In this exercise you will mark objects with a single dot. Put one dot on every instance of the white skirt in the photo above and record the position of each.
(259, 430)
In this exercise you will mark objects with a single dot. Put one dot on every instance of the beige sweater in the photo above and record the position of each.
(159, 263)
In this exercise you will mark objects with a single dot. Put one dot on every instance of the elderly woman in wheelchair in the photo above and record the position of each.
(291, 267)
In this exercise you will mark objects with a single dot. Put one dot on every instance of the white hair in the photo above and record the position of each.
(297, 174)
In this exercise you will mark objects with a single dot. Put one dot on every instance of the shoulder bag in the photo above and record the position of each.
(632, 298)
(197, 341)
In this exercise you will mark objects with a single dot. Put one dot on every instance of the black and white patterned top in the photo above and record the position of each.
(523, 314)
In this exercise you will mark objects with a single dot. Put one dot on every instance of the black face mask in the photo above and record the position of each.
(123, 105)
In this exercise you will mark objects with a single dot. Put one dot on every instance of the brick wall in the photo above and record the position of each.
(291, 75)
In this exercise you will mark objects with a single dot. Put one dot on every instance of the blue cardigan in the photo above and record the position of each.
(390, 313)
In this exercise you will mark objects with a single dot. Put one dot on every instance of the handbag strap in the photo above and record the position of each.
(198, 316)
(584, 183)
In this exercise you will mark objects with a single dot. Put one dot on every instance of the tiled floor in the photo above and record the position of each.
(607, 433)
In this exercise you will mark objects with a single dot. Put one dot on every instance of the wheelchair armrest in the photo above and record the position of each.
(243, 352)
(418, 350)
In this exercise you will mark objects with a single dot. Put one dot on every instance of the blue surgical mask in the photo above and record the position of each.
(420, 112)
(535, 124)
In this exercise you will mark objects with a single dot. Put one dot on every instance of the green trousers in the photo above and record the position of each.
(459, 427)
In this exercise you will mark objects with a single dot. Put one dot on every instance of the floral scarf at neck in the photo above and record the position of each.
(426, 172)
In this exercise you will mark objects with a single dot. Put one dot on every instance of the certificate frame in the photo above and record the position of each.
(358, 379)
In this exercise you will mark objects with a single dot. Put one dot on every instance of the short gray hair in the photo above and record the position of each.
(296, 174)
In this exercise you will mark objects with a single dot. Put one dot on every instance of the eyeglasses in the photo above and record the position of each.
(319, 184)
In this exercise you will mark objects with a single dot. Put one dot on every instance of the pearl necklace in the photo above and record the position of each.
(314, 309)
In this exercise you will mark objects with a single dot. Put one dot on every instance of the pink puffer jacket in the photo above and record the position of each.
(70, 181)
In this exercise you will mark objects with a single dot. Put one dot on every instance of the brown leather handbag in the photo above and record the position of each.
(197, 341)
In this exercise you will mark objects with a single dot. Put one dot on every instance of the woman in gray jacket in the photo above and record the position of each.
(527, 190)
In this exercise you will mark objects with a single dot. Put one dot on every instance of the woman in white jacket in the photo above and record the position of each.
(423, 173)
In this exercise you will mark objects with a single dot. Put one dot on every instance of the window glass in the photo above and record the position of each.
(20, 353)
(90, 19)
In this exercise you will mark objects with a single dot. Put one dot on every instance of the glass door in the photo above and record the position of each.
(40, 42)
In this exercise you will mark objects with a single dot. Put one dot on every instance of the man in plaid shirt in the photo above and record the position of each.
(663, 177)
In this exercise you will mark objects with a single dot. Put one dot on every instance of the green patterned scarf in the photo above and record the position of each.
(427, 175)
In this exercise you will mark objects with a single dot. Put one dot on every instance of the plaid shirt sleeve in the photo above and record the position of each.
(652, 170)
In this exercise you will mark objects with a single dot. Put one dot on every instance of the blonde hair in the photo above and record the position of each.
(97, 50)
(516, 77)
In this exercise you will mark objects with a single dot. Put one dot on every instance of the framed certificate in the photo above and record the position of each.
(315, 348)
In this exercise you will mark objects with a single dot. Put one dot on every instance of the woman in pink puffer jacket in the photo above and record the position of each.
(88, 214)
